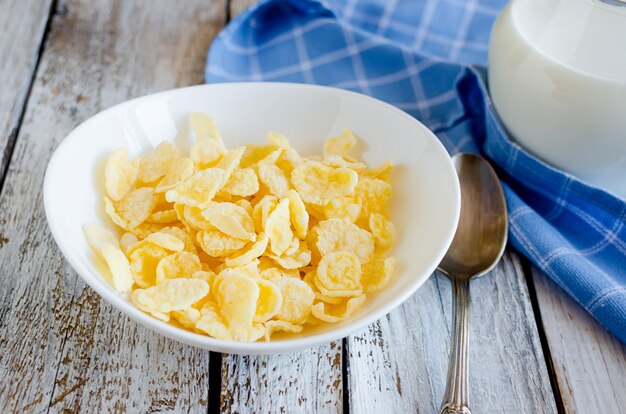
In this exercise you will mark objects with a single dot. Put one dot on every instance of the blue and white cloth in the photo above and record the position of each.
(427, 57)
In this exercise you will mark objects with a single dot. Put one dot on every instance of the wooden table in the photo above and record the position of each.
(62, 349)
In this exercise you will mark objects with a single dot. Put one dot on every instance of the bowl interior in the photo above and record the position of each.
(425, 204)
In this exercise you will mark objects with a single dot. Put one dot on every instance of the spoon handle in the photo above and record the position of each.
(456, 396)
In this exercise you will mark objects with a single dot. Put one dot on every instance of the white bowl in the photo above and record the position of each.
(425, 205)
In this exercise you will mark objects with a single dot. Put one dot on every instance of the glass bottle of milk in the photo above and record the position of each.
(557, 77)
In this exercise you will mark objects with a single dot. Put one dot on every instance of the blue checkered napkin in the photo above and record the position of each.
(418, 56)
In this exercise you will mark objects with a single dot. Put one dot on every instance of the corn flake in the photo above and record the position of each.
(274, 179)
(198, 190)
(341, 235)
(335, 313)
(298, 299)
(272, 327)
(156, 163)
(119, 266)
(377, 272)
(205, 153)
(172, 295)
(278, 227)
(342, 207)
(383, 171)
(126, 241)
(236, 296)
(187, 317)
(251, 252)
(242, 183)
(300, 258)
(99, 237)
(217, 244)
(339, 145)
(229, 162)
(298, 214)
(144, 260)
(231, 220)
(145, 229)
(262, 210)
(212, 322)
(163, 217)
(177, 265)
(318, 184)
(269, 302)
(120, 174)
(136, 206)
(193, 216)
(254, 155)
(188, 244)
(179, 170)
(373, 195)
(339, 274)
(309, 279)
(337, 161)
(246, 205)
(382, 230)
(166, 240)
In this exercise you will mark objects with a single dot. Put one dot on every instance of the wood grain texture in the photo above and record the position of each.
(589, 362)
(62, 347)
(304, 382)
(23, 23)
(399, 364)
(237, 6)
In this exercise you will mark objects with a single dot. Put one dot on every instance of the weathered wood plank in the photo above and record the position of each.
(305, 382)
(590, 363)
(61, 346)
(399, 364)
(23, 23)
(237, 6)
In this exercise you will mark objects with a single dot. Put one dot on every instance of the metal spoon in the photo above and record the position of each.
(478, 244)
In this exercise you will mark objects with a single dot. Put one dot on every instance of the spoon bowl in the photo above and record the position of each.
(481, 235)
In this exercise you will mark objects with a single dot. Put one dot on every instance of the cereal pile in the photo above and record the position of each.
(239, 244)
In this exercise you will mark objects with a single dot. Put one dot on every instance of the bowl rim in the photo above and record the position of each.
(249, 348)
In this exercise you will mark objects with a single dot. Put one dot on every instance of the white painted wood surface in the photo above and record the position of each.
(22, 23)
(590, 363)
(304, 382)
(62, 347)
(399, 364)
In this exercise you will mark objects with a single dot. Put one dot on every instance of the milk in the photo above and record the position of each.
(557, 77)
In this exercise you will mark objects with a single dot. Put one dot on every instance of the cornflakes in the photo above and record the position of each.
(120, 174)
(298, 300)
(340, 145)
(318, 184)
(156, 163)
(240, 244)
(198, 190)
(230, 219)
(278, 227)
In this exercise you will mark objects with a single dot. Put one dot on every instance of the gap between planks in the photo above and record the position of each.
(554, 383)
(34, 43)
(589, 362)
